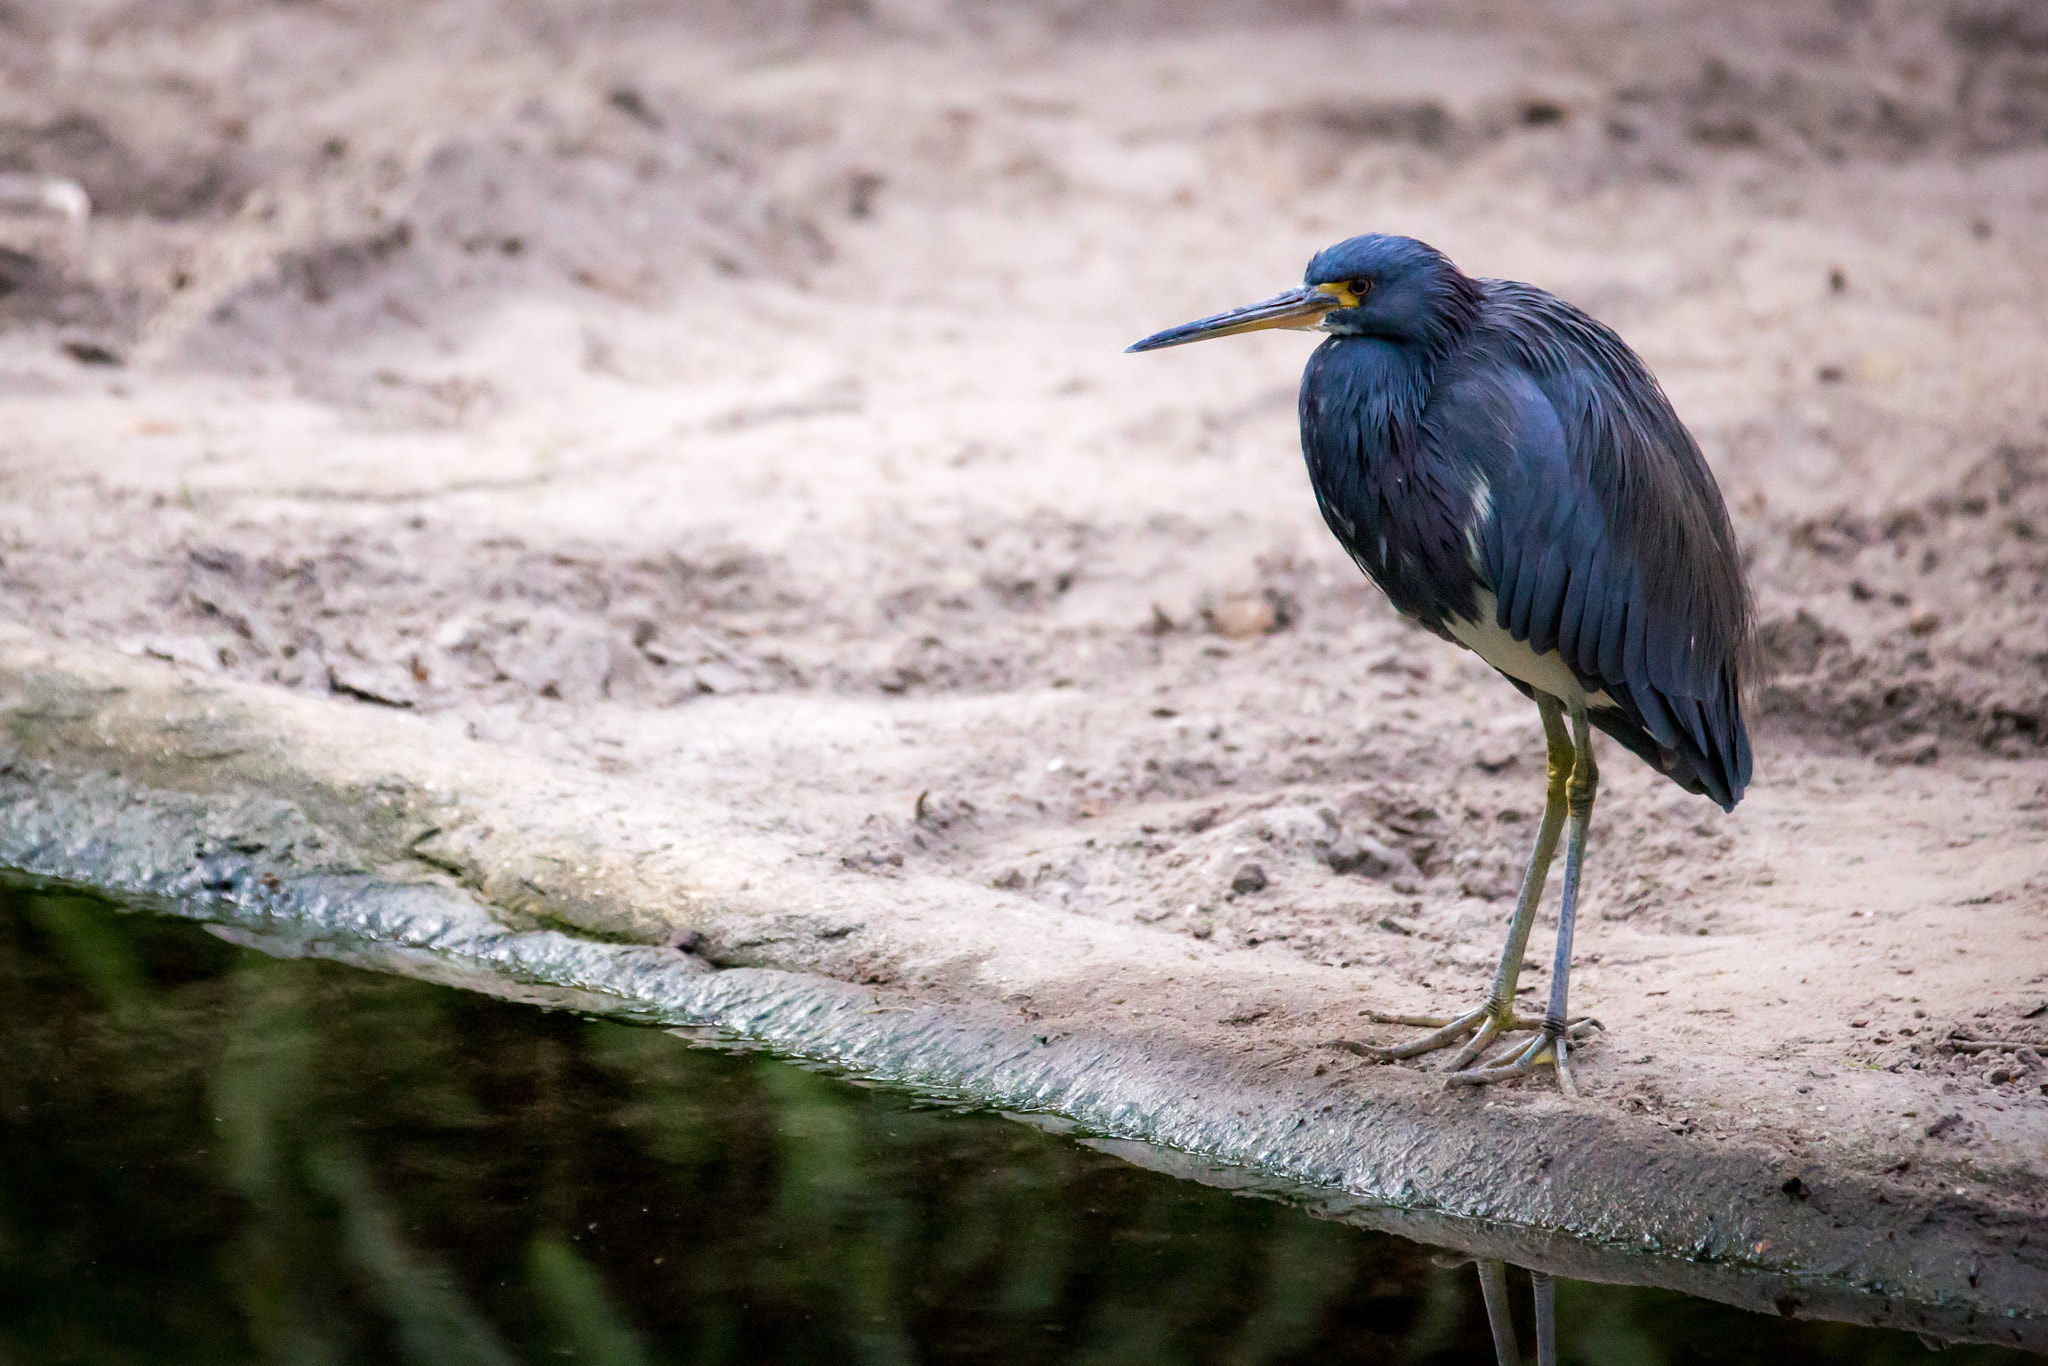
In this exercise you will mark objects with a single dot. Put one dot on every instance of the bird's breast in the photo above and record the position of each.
(1399, 505)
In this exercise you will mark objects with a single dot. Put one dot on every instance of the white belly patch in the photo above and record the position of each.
(1544, 672)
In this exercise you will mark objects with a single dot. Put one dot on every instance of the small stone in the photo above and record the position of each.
(1250, 878)
(1496, 756)
(458, 633)
(194, 652)
(91, 353)
(1241, 616)
(1361, 854)
(714, 677)
(386, 686)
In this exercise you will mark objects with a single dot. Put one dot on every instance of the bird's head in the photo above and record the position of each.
(1373, 286)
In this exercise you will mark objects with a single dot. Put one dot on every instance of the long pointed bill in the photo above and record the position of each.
(1295, 308)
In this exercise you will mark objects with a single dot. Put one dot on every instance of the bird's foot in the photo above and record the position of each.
(1546, 1049)
(1477, 1030)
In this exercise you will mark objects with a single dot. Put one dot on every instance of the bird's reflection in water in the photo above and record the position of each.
(1500, 1318)
(210, 1154)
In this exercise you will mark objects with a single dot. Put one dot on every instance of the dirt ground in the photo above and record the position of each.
(730, 399)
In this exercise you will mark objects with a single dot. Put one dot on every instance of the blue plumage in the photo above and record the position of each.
(1480, 436)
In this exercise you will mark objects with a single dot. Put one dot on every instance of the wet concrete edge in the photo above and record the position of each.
(1605, 1201)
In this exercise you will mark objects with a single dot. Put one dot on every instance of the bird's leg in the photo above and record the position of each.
(1546, 1317)
(1496, 1016)
(1549, 1046)
(1493, 1287)
(1500, 1017)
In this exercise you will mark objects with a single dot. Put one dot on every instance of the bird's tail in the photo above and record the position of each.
(1713, 760)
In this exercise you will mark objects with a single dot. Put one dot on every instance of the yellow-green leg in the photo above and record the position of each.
(1549, 1047)
(1478, 1028)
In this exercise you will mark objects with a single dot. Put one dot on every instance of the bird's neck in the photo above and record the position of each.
(1380, 486)
(1375, 386)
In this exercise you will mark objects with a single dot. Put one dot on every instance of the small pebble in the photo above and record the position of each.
(1242, 616)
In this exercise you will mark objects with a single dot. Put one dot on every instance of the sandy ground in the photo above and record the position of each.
(728, 401)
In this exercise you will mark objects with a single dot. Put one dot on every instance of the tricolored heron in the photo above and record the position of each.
(1512, 477)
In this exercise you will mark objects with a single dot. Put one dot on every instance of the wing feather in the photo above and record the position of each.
(1656, 718)
(1571, 617)
(1546, 605)
(1613, 632)
(1606, 539)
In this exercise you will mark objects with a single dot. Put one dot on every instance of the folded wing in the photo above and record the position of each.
(1601, 533)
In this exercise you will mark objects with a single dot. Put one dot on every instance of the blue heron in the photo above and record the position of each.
(1512, 477)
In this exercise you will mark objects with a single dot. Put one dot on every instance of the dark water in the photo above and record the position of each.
(209, 1155)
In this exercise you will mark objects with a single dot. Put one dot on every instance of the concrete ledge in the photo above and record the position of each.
(380, 838)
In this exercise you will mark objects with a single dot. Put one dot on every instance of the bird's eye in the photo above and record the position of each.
(1358, 288)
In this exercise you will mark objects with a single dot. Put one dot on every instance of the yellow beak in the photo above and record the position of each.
(1302, 308)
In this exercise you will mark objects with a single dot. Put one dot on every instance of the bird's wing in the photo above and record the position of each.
(1601, 534)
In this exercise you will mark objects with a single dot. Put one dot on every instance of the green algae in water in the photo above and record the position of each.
(212, 1155)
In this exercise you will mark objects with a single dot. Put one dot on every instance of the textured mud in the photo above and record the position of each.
(725, 404)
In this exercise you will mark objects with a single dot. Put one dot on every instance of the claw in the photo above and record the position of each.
(1371, 1052)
